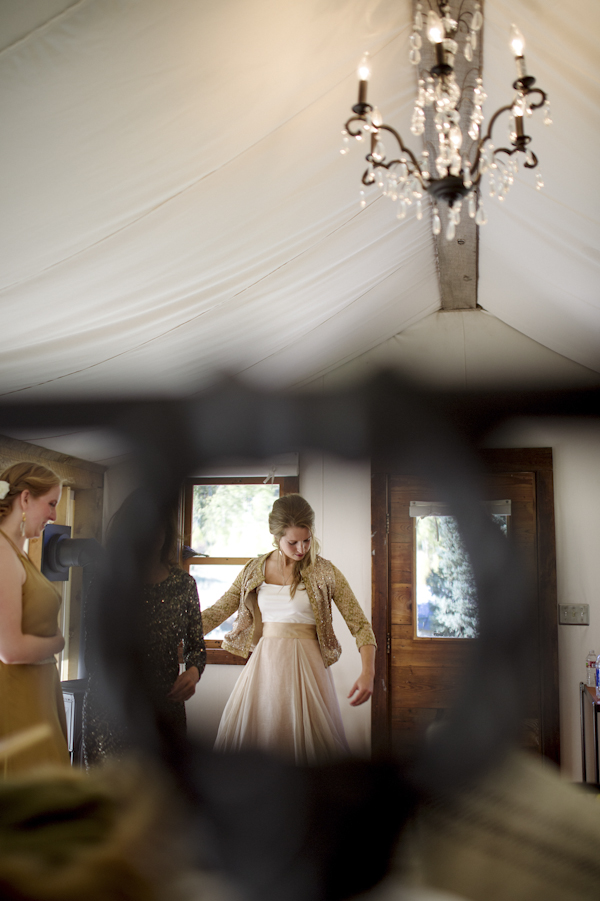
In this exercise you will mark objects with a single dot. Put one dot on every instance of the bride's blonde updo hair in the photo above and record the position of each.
(26, 476)
(289, 512)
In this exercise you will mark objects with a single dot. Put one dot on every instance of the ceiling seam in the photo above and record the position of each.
(184, 190)
(40, 28)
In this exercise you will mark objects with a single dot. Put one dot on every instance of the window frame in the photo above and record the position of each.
(287, 485)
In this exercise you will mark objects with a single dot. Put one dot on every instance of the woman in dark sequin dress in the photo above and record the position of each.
(171, 618)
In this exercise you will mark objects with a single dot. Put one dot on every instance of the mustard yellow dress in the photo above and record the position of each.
(30, 694)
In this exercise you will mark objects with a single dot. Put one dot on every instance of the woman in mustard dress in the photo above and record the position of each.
(30, 693)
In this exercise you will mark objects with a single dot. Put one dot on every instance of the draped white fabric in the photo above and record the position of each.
(175, 204)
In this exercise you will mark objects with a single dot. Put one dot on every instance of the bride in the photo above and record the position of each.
(285, 700)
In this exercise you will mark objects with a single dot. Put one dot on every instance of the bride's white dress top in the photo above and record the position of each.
(277, 606)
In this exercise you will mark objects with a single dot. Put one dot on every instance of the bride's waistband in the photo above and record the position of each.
(289, 630)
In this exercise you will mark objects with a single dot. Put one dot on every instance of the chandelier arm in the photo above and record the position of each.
(378, 164)
(353, 134)
(543, 95)
(464, 82)
(488, 135)
(460, 20)
(406, 150)
(528, 165)
(368, 178)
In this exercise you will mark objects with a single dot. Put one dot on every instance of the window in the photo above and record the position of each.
(446, 596)
(226, 524)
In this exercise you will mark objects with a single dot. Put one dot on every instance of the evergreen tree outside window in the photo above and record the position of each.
(446, 597)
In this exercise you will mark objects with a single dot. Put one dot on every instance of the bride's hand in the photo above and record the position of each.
(364, 687)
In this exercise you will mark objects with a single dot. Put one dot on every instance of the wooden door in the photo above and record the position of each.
(417, 677)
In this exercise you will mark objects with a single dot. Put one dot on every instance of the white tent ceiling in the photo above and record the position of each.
(175, 204)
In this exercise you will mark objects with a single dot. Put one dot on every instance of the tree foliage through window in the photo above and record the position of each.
(232, 520)
(446, 592)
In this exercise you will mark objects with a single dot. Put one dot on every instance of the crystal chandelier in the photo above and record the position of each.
(451, 173)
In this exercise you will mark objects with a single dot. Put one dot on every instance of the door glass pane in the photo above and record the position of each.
(445, 587)
(232, 520)
(213, 582)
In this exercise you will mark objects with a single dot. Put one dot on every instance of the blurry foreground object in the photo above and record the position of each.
(520, 833)
(169, 615)
(68, 837)
(327, 833)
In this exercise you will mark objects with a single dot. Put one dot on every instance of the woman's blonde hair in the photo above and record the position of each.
(293, 512)
(26, 476)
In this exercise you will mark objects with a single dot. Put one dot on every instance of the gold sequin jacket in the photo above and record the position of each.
(324, 583)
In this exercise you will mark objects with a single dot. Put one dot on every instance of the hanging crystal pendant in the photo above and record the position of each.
(362, 198)
(418, 18)
(468, 51)
(436, 223)
(378, 152)
(473, 39)
(429, 91)
(425, 164)
(414, 56)
(477, 20)
(472, 204)
(480, 217)
(539, 181)
(467, 180)
(345, 148)
(474, 130)
(419, 209)
(488, 156)
(417, 125)
(547, 113)
(401, 209)
(450, 229)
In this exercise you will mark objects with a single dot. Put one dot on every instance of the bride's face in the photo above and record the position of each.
(295, 543)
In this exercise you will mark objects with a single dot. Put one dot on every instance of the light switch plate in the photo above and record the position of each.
(574, 614)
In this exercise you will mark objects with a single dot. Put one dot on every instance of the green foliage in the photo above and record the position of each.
(450, 579)
(452, 585)
(232, 520)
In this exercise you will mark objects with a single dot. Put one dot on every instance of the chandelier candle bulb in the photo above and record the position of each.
(435, 28)
(517, 45)
(364, 73)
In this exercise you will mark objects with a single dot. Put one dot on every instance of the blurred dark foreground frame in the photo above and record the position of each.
(282, 832)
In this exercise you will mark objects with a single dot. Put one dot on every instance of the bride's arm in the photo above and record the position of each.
(364, 683)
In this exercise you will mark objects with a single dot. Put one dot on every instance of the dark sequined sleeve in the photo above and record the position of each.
(194, 649)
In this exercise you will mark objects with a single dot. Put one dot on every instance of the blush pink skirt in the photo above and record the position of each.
(285, 701)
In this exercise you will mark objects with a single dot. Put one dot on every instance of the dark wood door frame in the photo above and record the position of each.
(539, 462)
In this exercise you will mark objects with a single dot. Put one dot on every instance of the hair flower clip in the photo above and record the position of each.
(4, 489)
